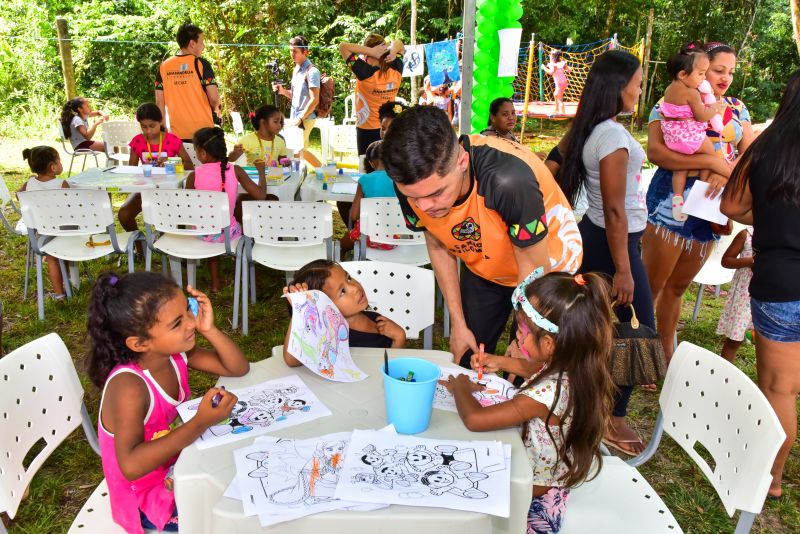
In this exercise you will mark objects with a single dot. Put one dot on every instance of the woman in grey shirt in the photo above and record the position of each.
(602, 157)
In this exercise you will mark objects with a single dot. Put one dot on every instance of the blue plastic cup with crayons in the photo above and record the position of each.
(409, 388)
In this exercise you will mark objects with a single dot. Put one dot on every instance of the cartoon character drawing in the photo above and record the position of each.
(443, 480)
(292, 405)
(421, 459)
(336, 332)
(322, 470)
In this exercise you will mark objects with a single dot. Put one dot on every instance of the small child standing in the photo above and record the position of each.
(216, 174)
(565, 329)
(367, 328)
(264, 144)
(75, 124)
(142, 343)
(558, 69)
(45, 162)
(735, 319)
(686, 116)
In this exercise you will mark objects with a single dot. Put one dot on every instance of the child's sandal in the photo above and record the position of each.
(677, 208)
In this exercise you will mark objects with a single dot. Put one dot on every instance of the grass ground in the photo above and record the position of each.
(69, 476)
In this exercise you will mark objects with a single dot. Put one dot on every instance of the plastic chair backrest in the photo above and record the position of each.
(287, 223)
(5, 194)
(343, 138)
(186, 211)
(293, 137)
(403, 293)
(64, 141)
(383, 221)
(64, 212)
(119, 134)
(42, 399)
(709, 401)
(192, 153)
(236, 123)
(349, 109)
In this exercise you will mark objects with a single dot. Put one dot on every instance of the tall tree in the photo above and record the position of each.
(795, 7)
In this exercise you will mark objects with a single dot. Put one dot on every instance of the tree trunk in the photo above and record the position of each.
(795, 7)
(612, 10)
(414, 98)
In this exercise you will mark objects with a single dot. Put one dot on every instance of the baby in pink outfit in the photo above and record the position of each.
(687, 107)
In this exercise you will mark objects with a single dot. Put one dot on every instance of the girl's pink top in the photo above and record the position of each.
(147, 493)
(676, 111)
(559, 73)
(207, 178)
(170, 144)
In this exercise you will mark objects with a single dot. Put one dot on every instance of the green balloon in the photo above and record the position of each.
(513, 24)
(484, 74)
(514, 12)
(479, 92)
(488, 9)
(483, 60)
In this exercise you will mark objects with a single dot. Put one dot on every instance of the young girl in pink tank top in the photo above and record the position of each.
(216, 174)
(686, 114)
(142, 335)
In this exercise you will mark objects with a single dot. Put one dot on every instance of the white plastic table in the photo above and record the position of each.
(97, 178)
(202, 476)
(311, 190)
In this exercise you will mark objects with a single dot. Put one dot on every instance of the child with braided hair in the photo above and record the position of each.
(216, 174)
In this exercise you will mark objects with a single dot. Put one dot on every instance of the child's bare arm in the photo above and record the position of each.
(731, 259)
(226, 358)
(701, 112)
(387, 327)
(492, 363)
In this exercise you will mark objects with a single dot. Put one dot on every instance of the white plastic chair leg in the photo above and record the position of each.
(446, 320)
(191, 272)
(697, 302)
(74, 276)
(245, 303)
(237, 289)
(745, 522)
(175, 269)
(251, 280)
(71, 161)
(164, 264)
(39, 287)
(67, 273)
(428, 338)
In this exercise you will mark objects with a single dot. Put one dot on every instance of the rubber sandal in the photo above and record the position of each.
(616, 444)
(677, 208)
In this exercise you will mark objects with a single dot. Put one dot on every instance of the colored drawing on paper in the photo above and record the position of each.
(424, 472)
(496, 389)
(260, 409)
(320, 336)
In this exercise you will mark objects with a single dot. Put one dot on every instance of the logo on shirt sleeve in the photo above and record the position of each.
(412, 221)
(467, 230)
(523, 232)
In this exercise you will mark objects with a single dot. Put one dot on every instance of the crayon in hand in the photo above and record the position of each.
(216, 399)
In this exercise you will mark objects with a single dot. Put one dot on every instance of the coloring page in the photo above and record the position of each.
(262, 408)
(319, 337)
(496, 390)
(442, 59)
(413, 471)
(414, 61)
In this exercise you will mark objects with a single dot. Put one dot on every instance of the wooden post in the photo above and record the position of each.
(645, 68)
(65, 51)
(531, 58)
(414, 92)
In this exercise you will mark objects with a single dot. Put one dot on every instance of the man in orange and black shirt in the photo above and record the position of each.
(186, 86)
(488, 201)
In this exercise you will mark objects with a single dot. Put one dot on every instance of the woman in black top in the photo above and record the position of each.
(764, 190)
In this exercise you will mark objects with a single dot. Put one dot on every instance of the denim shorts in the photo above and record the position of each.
(777, 321)
(659, 210)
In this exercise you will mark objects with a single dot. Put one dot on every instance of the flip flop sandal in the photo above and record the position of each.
(616, 444)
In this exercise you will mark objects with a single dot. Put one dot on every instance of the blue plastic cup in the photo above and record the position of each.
(147, 170)
(409, 404)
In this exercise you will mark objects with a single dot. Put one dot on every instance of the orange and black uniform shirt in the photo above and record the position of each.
(183, 79)
(373, 88)
(513, 201)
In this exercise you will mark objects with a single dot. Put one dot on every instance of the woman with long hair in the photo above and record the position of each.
(764, 190)
(378, 71)
(674, 251)
(604, 160)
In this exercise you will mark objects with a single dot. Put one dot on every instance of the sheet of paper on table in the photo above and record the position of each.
(133, 169)
(344, 188)
(697, 205)
(319, 337)
(414, 471)
(496, 389)
(261, 408)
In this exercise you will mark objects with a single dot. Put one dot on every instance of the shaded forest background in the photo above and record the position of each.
(118, 76)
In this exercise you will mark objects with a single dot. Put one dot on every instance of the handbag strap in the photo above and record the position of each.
(634, 320)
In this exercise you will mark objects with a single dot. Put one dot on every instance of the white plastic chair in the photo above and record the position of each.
(18, 229)
(349, 110)
(382, 221)
(283, 236)
(342, 140)
(183, 216)
(713, 273)
(236, 123)
(42, 401)
(118, 134)
(705, 401)
(403, 293)
(190, 151)
(63, 222)
(76, 153)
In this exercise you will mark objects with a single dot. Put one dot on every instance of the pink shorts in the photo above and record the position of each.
(684, 137)
(560, 89)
